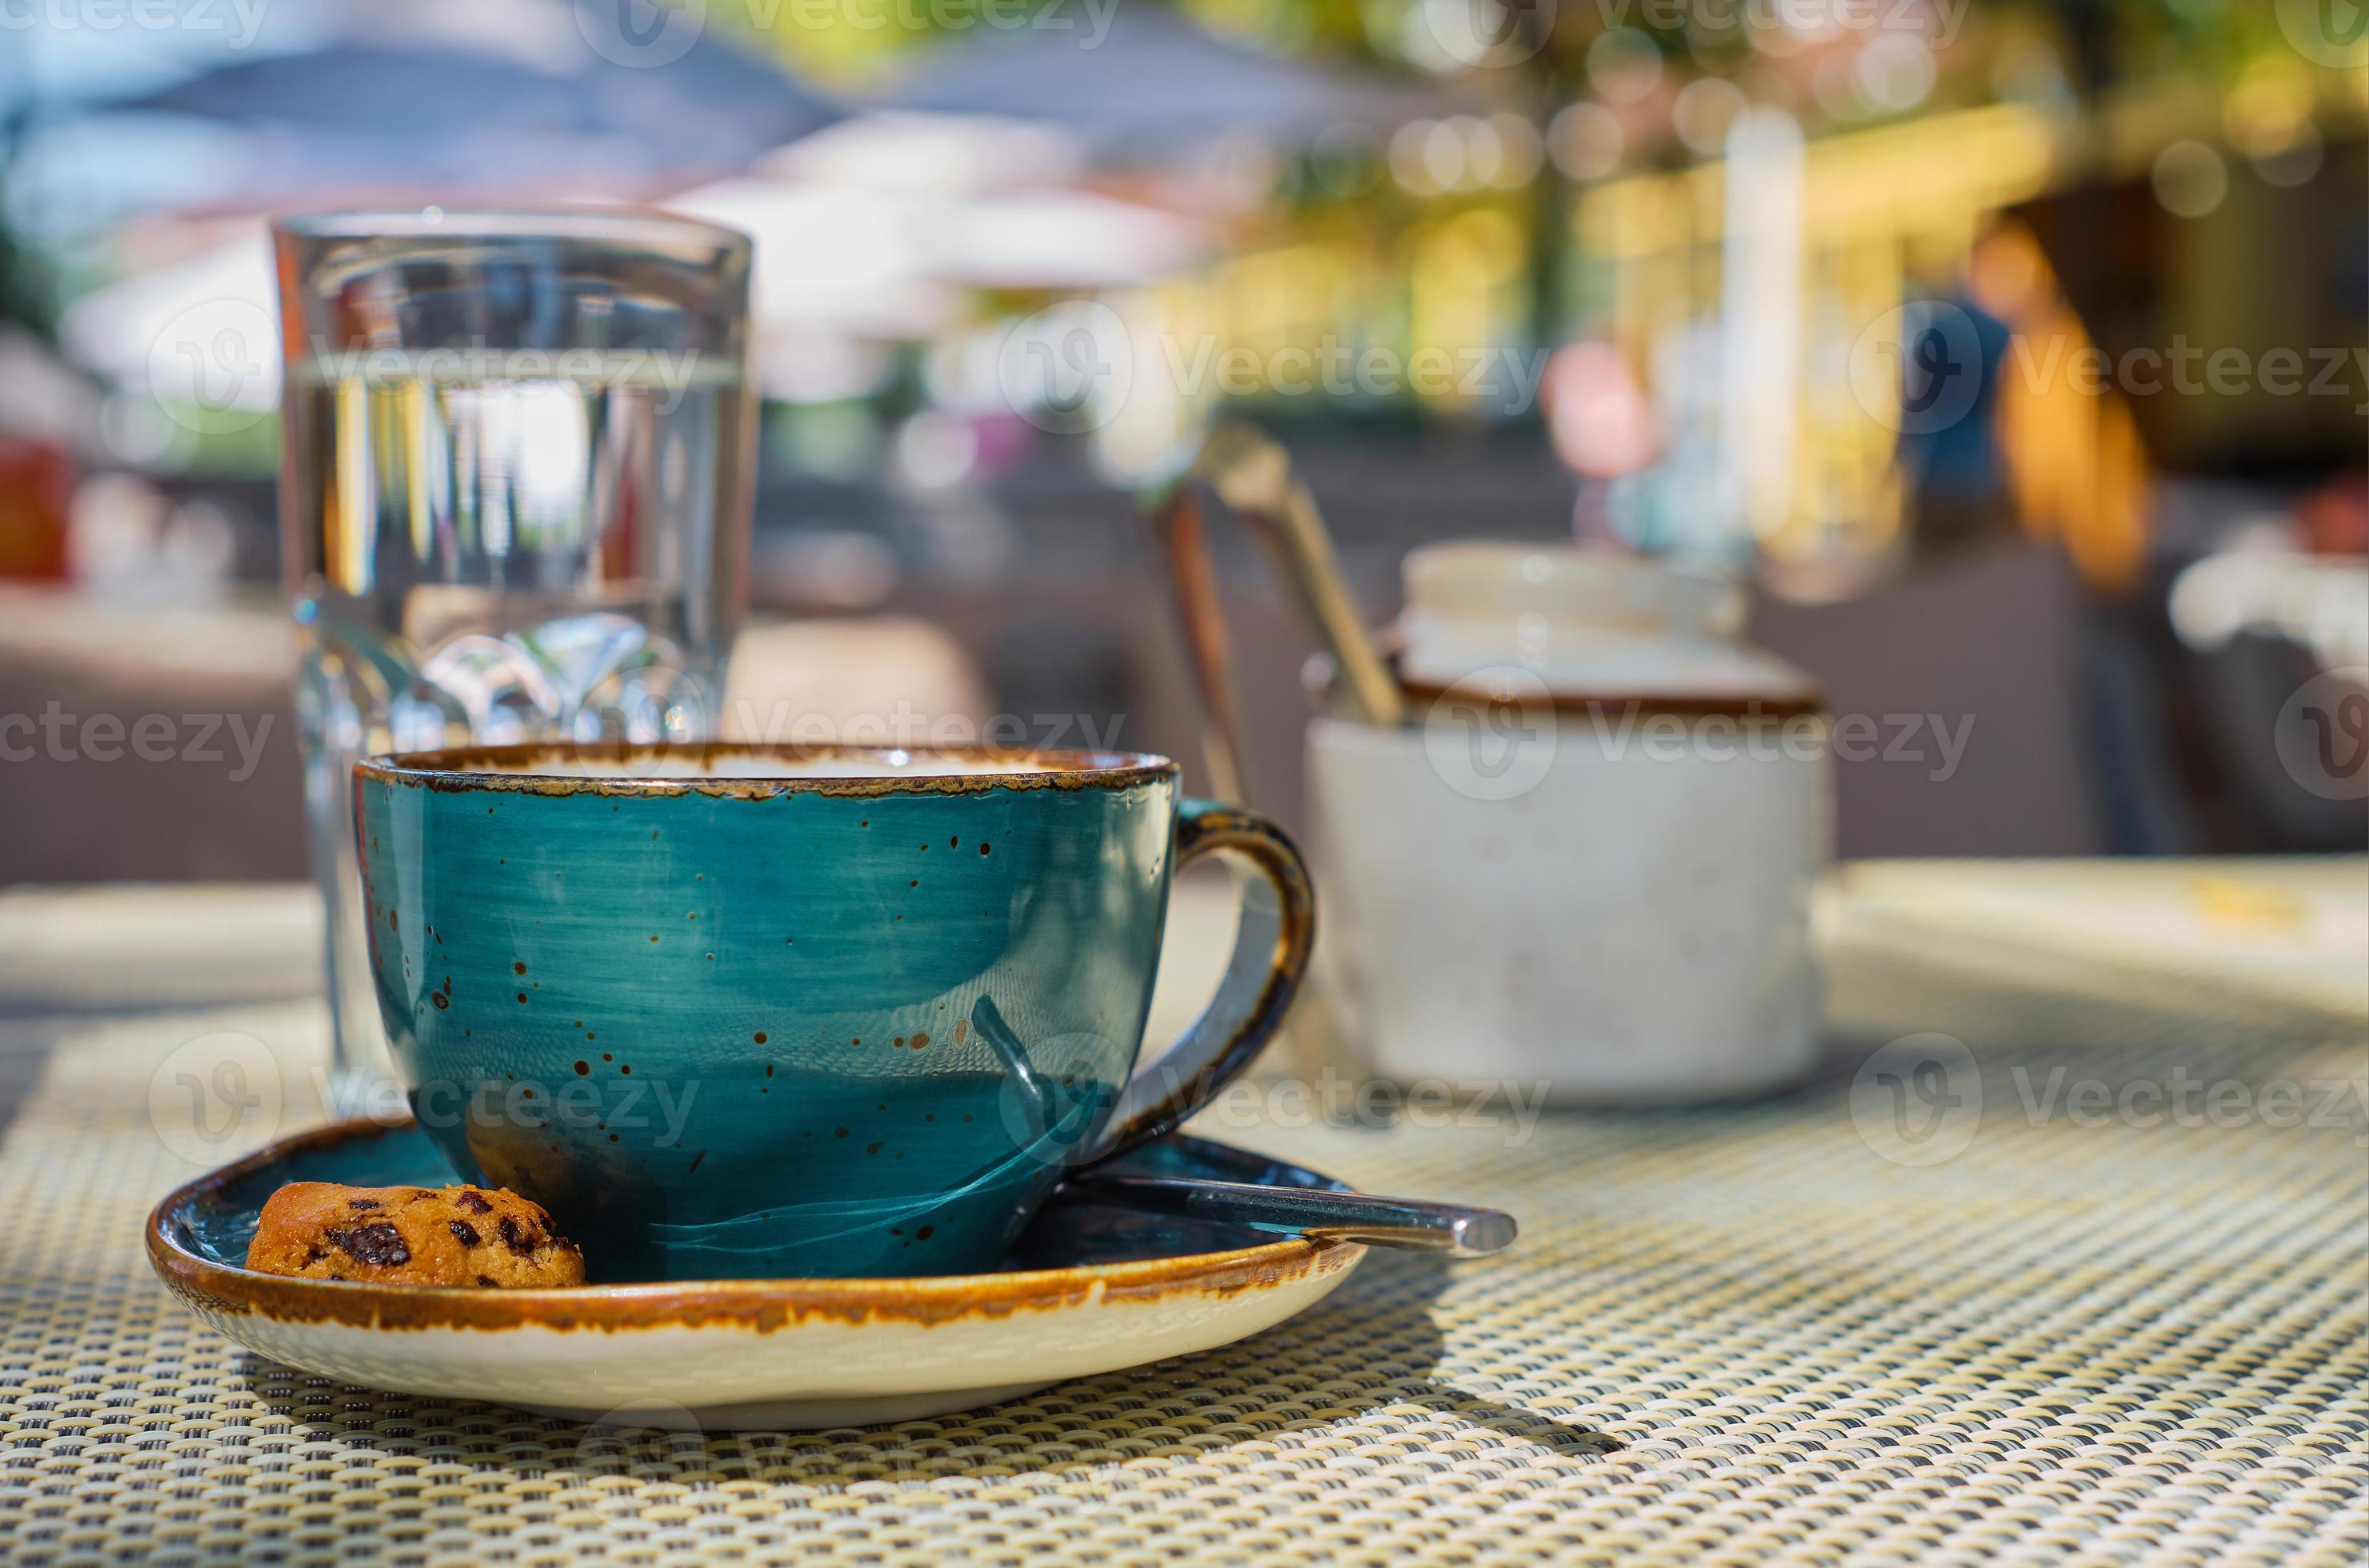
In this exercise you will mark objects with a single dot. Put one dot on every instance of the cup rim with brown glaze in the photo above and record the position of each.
(524, 767)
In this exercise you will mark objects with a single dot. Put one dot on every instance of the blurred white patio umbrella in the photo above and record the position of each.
(839, 263)
(1069, 239)
(895, 151)
(835, 265)
(825, 257)
(202, 330)
(817, 241)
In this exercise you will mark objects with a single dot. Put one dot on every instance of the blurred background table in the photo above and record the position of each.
(1727, 1334)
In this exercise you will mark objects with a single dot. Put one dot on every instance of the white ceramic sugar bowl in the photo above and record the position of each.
(1587, 861)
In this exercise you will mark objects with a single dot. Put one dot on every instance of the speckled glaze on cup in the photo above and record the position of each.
(744, 1012)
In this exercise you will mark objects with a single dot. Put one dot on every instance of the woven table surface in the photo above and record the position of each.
(1992, 1322)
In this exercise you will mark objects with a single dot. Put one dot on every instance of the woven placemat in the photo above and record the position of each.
(1804, 1330)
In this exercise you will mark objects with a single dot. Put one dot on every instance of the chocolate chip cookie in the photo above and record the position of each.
(489, 1238)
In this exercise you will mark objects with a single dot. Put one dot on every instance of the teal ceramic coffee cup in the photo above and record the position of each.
(746, 1012)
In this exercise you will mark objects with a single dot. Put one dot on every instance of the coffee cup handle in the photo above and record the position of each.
(1275, 934)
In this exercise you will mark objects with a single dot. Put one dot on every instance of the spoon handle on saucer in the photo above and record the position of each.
(1314, 1212)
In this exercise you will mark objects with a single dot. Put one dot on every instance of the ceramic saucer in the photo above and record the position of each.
(1086, 1290)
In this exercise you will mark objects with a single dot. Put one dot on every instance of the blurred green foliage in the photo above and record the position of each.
(28, 295)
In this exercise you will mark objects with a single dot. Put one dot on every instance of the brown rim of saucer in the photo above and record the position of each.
(762, 1305)
(461, 769)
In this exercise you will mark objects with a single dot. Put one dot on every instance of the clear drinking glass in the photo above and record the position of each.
(515, 481)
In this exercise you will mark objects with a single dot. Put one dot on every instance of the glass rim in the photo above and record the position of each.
(623, 225)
